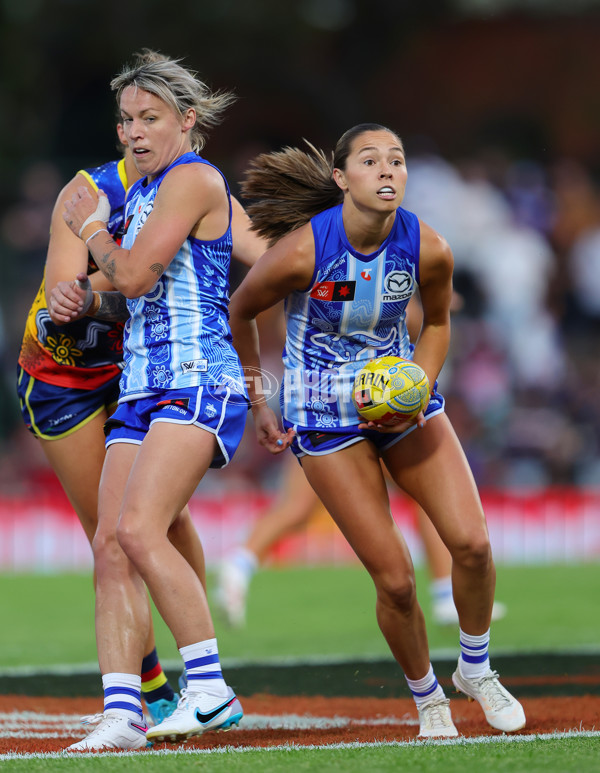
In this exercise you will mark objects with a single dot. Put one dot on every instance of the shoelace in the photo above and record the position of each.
(493, 691)
(437, 713)
(182, 703)
(92, 719)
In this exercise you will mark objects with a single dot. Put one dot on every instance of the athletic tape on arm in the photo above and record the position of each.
(102, 213)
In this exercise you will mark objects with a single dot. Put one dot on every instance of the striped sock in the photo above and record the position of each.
(203, 668)
(154, 682)
(474, 661)
(123, 694)
(425, 689)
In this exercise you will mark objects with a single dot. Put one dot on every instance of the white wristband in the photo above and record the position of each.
(102, 213)
(96, 233)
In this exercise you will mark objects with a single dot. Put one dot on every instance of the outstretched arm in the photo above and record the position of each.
(285, 267)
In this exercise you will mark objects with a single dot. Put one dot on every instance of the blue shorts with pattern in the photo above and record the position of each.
(219, 411)
(318, 442)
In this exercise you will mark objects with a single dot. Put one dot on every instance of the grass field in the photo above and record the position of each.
(319, 613)
(300, 612)
(561, 755)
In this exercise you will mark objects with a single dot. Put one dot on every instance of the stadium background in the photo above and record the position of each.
(499, 108)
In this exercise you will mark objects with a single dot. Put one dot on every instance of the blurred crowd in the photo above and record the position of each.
(523, 372)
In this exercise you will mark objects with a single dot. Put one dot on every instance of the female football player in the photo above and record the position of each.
(347, 258)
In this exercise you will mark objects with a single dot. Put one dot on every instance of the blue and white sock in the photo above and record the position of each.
(123, 694)
(425, 689)
(203, 668)
(474, 661)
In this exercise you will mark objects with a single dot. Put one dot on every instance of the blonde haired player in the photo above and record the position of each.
(182, 405)
(347, 257)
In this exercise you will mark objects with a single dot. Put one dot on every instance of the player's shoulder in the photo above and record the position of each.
(433, 245)
(194, 176)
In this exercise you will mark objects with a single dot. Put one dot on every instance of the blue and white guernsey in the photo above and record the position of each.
(353, 311)
(178, 334)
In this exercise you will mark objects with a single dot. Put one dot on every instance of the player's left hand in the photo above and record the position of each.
(267, 430)
(82, 209)
(395, 427)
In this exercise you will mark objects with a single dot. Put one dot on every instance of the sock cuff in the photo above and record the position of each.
(474, 642)
(125, 680)
(198, 649)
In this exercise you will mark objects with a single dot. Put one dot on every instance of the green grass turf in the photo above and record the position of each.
(570, 755)
(298, 612)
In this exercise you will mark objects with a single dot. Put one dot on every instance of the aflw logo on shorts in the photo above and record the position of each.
(194, 366)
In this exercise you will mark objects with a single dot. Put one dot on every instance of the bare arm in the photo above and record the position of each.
(248, 246)
(429, 321)
(435, 287)
(67, 255)
(190, 200)
(285, 267)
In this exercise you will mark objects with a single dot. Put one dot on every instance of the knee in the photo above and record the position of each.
(474, 554)
(108, 555)
(130, 538)
(397, 590)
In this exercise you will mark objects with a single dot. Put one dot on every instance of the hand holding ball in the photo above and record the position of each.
(388, 390)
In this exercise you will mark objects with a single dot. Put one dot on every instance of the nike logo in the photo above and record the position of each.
(141, 728)
(204, 718)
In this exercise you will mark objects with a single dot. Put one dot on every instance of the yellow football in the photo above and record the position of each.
(390, 389)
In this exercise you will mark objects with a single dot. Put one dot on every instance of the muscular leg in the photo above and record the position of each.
(122, 609)
(149, 506)
(439, 560)
(184, 537)
(430, 466)
(351, 485)
(77, 460)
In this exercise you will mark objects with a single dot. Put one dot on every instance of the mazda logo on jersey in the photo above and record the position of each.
(334, 291)
(399, 285)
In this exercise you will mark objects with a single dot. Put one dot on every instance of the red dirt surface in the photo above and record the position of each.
(544, 715)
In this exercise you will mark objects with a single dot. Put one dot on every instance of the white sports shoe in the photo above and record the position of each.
(444, 612)
(231, 594)
(112, 731)
(501, 710)
(195, 714)
(435, 720)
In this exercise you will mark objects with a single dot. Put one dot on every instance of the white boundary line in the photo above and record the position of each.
(479, 740)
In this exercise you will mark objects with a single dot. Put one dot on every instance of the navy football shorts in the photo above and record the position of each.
(51, 412)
